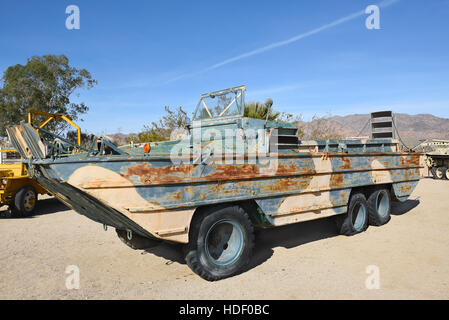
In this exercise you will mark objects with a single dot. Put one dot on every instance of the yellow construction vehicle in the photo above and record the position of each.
(17, 190)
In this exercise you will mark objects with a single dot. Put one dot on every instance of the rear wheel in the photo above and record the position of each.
(441, 172)
(24, 202)
(356, 219)
(221, 243)
(446, 174)
(379, 207)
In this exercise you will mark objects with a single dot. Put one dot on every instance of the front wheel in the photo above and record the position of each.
(24, 202)
(221, 243)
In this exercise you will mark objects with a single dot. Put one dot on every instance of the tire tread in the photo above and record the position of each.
(373, 216)
(17, 209)
(190, 251)
(344, 221)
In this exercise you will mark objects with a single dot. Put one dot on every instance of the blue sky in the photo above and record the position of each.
(148, 54)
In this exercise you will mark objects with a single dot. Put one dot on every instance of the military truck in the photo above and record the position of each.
(223, 176)
(437, 160)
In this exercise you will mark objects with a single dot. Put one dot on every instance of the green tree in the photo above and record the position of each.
(161, 130)
(45, 83)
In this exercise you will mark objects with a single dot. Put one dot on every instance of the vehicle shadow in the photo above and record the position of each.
(288, 237)
(294, 235)
(43, 207)
(400, 208)
(168, 251)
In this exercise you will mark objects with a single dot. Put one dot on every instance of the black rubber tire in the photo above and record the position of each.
(374, 217)
(196, 252)
(446, 174)
(345, 222)
(19, 208)
(433, 171)
(137, 242)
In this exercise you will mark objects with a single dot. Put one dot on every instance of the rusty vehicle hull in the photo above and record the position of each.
(158, 194)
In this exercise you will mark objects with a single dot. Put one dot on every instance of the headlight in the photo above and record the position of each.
(4, 181)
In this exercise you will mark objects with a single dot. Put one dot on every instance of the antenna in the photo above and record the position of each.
(268, 103)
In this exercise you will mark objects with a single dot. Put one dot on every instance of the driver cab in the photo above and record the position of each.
(219, 121)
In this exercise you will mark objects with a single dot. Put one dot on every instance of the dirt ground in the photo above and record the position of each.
(303, 261)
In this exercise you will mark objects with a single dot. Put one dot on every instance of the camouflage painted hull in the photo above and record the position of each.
(151, 196)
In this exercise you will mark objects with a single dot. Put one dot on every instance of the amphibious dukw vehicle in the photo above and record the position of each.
(222, 176)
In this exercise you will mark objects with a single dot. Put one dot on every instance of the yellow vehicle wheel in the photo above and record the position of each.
(24, 202)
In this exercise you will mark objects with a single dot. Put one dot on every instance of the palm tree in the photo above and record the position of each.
(259, 110)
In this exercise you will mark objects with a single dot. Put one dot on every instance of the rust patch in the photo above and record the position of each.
(287, 184)
(230, 170)
(405, 188)
(165, 174)
(409, 160)
(336, 180)
(293, 168)
(346, 163)
(174, 196)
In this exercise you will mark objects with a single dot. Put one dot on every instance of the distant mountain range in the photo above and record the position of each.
(411, 128)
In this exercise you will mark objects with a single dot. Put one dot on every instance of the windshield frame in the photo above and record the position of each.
(240, 96)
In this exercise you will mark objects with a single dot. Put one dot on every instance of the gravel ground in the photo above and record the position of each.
(303, 261)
